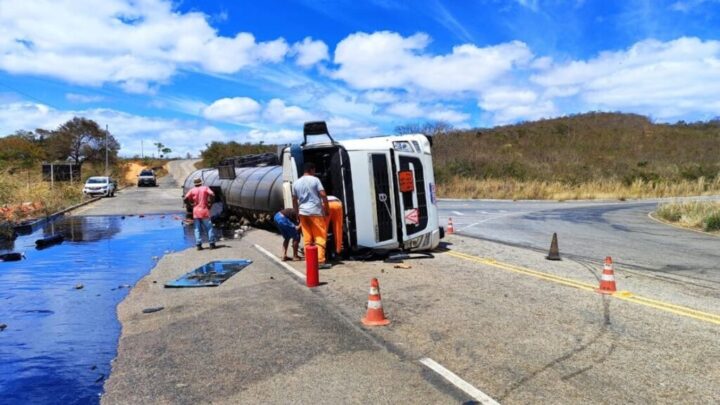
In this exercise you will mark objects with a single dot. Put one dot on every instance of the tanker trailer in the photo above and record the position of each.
(254, 193)
(386, 185)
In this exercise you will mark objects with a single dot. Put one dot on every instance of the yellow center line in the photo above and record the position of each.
(621, 295)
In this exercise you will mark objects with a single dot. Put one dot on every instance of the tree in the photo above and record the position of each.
(20, 150)
(217, 151)
(165, 151)
(80, 140)
(159, 146)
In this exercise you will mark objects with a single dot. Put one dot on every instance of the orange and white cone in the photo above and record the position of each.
(375, 315)
(450, 227)
(607, 280)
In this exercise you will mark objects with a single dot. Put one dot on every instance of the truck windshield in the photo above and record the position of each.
(146, 173)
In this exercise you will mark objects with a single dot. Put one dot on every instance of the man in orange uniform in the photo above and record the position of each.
(310, 202)
(336, 219)
(201, 198)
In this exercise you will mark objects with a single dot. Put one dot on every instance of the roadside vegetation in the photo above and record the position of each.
(24, 193)
(587, 156)
(702, 215)
(215, 152)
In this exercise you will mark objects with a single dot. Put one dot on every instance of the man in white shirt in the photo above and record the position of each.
(311, 203)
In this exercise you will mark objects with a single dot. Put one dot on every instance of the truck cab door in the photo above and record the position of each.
(411, 189)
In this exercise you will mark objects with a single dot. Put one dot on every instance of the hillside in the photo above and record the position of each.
(594, 155)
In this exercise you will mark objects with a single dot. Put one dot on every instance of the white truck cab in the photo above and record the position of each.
(386, 185)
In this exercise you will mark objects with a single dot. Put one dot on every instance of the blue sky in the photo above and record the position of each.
(190, 72)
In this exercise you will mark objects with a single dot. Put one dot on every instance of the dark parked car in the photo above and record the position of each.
(147, 178)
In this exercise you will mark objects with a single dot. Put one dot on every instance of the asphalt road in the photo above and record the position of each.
(591, 231)
(166, 198)
(502, 318)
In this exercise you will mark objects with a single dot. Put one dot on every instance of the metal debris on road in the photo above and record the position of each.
(210, 275)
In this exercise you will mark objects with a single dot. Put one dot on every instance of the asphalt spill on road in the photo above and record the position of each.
(58, 340)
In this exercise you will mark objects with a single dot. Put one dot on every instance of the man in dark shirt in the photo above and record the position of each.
(287, 222)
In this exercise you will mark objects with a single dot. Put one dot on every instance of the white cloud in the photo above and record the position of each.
(662, 79)
(347, 105)
(380, 97)
(236, 110)
(309, 52)
(134, 44)
(343, 127)
(438, 112)
(278, 113)
(450, 116)
(406, 110)
(531, 4)
(689, 5)
(83, 98)
(388, 60)
(509, 105)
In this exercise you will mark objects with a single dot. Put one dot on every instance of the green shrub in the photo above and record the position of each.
(712, 222)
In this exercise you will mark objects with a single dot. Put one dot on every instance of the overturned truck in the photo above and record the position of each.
(386, 185)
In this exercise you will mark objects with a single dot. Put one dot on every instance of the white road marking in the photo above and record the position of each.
(280, 262)
(458, 213)
(458, 382)
(490, 219)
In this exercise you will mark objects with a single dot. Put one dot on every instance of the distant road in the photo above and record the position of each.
(179, 170)
(166, 198)
(591, 231)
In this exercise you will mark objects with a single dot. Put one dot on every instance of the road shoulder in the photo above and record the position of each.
(259, 337)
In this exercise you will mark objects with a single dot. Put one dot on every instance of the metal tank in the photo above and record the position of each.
(255, 193)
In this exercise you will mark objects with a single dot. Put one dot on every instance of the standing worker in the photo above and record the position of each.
(201, 199)
(335, 218)
(311, 203)
(287, 223)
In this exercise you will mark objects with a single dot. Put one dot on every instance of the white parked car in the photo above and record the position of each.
(99, 185)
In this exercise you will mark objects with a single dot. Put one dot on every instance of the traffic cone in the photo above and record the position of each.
(375, 315)
(450, 227)
(607, 280)
(554, 253)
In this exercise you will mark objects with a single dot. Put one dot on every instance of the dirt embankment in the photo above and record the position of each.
(133, 169)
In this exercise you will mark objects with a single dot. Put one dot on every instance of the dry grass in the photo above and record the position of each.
(20, 187)
(463, 187)
(594, 155)
(703, 215)
(24, 187)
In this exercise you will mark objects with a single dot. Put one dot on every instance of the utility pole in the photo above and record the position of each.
(106, 149)
(142, 149)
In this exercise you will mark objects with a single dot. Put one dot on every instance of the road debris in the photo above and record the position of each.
(11, 257)
(152, 309)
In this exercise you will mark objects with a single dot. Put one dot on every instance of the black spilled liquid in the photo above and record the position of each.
(59, 303)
